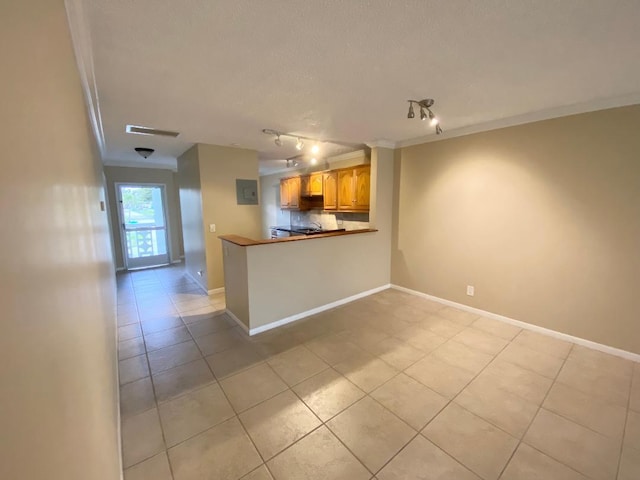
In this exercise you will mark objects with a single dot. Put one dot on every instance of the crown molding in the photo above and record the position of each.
(134, 164)
(382, 144)
(548, 114)
(83, 49)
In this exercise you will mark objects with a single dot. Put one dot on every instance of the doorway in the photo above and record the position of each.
(143, 224)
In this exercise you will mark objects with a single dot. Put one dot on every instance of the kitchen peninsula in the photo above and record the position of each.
(271, 282)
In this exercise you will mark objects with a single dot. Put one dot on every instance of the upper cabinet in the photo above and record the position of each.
(311, 185)
(354, 188)
(330, 189)
(290, 193)
(347, 189)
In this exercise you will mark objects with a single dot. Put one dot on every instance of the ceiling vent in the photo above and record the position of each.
(150, 131)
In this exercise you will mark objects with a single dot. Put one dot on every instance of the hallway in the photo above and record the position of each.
(391, 385)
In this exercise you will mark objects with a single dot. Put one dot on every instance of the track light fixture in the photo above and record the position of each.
(299, 140)
(277, 141)
(425, 112)
(299, 144)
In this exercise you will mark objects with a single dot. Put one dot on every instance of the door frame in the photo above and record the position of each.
(121, 229)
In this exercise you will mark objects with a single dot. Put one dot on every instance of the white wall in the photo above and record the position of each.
(58, 394)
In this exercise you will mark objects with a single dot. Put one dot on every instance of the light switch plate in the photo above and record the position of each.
(212, 228)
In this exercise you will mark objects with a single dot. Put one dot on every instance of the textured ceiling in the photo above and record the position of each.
(221, 71)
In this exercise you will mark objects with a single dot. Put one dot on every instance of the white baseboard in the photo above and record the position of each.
(238, 321)
(313, 311)
(527, 326)
(120, 269)
(216, 290)
(176, 261)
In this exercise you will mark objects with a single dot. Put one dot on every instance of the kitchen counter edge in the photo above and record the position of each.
(247, 242)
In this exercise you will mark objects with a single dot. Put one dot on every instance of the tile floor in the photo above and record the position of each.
(388, 387)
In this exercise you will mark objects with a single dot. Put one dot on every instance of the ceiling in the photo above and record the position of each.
(220, 71)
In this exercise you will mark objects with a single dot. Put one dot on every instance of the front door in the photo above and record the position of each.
(143, 225)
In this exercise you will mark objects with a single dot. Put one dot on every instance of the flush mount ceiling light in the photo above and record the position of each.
(144, 152)
(425, 112)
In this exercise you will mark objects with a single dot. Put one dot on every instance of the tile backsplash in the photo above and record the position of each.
(328, 220)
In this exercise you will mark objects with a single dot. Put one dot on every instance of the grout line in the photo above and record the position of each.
(626, 420)
(533, 419)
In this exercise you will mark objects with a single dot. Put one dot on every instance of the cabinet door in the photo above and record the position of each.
(362, 187)
(294, 192)
(315, 184)
(330, 189)
(284, 193)
(305, 187)
(345, 190)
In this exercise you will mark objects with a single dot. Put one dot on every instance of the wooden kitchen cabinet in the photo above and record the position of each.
(354, 188)
(290, 193)
(330, 190)
(311, 185)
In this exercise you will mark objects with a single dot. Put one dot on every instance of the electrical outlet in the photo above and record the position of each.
(471, 290)
(200, 272)
(212, 228)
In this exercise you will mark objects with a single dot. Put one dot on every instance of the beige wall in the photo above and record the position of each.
(191, 214)
(58, 394)
(219, 169)
(543, 219)
(145, 175)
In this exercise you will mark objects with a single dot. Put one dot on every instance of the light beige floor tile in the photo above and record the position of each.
(129, 331)
(129, 309)
(529, 464)
(219, 341)
(141, 437)
(328, 393)
(584, 450)
(543, 343)
(480, 340)
(155, 468)
(160, 323)
(318, 456)
(278, 422)
(459, 433)
(133, 369)
(396, 353)
(546, 365)
(334, 349)
(496, 328)
(234, 360)
(194, 412)
(445, 379)
(137, 397)
(366, 372)
(526, 384)
(173, 356)
(191, 305)
(459, 316)
(127, 319)
(442, 326)
(199, 314)
(587, 410)
(422, 460)
(260, 473)
(210, 325)
(607, 386)
(629, 464)
(182, 379)
(223, 452)
(632, 431)
(364, 337)
(131, 348)
(462, 356)
(499, 407)
(157, 315)
(410, 400)
(421, 338)
(297, 365)
(424, 304)
(603, 361)
(252, 386)
(371, 432)
(166, 338)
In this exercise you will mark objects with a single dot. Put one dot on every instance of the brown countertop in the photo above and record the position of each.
(247, 242)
